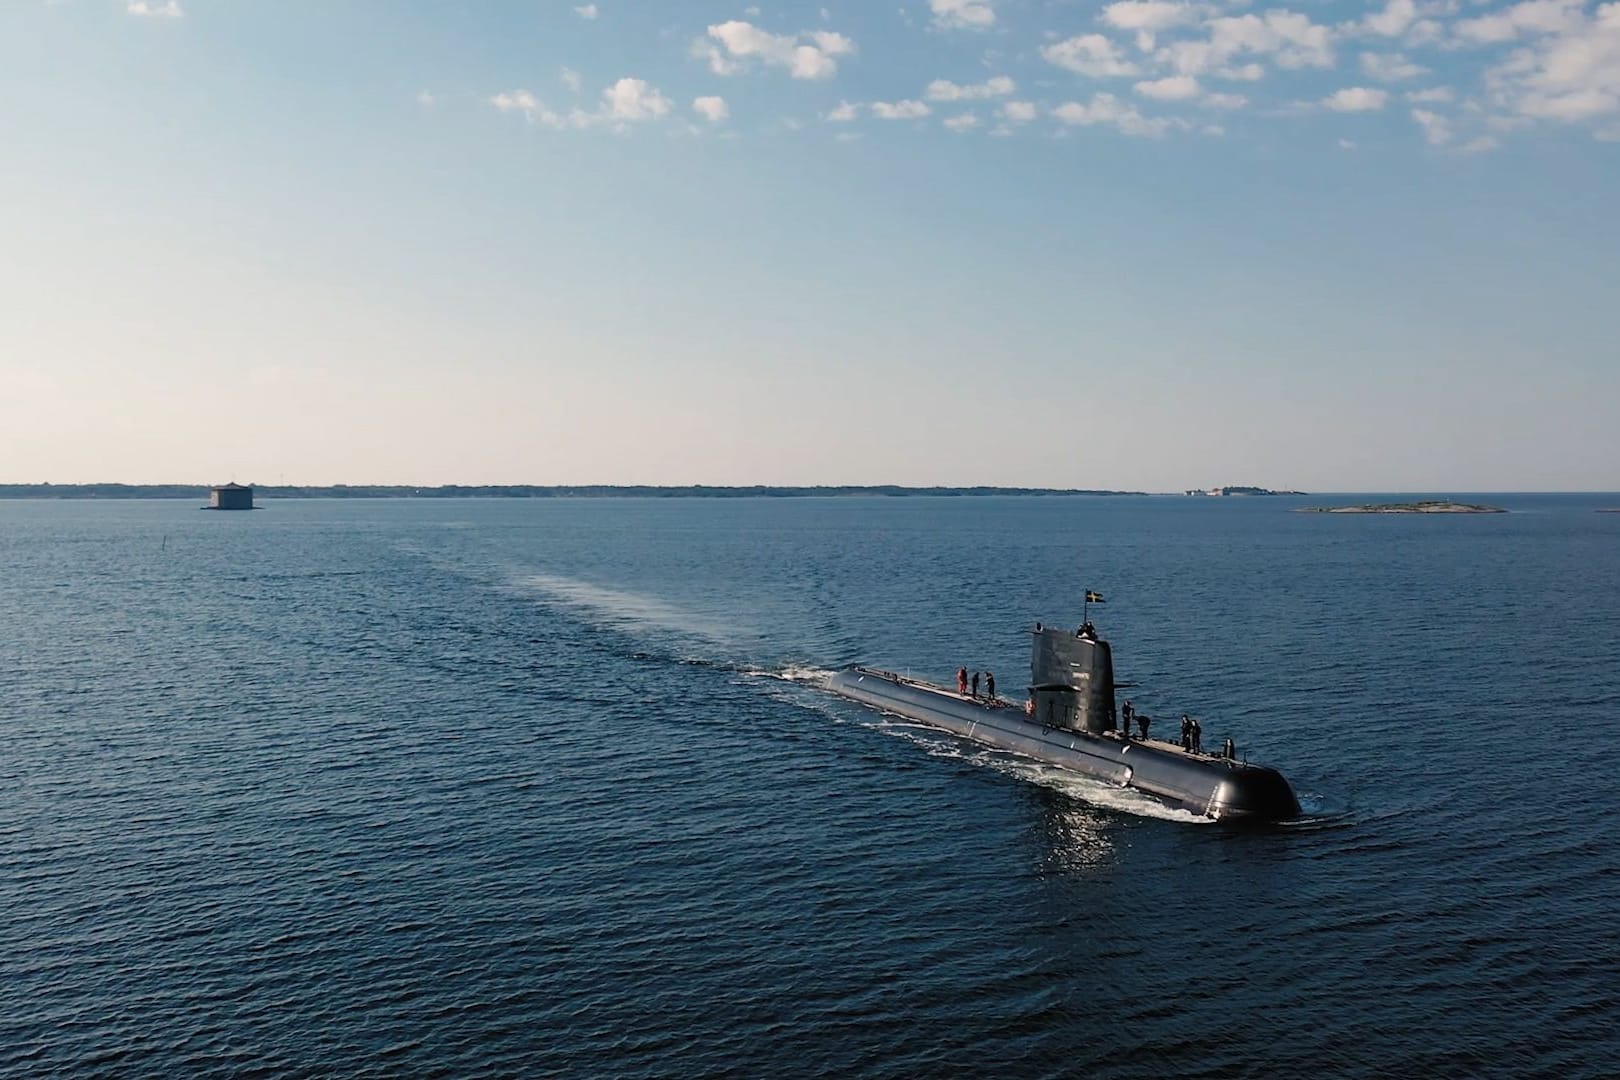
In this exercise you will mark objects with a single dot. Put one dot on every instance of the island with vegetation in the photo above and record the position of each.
(1237, 489)
(1428, 506)
(517, 491)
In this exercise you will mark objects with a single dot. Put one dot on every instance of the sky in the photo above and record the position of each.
(1145, 245)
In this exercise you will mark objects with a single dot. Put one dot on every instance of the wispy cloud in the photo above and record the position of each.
(1390, 67)
(151, 9)
(1018, 112)
(713, 109)
(626, 102)
(587, 11)
(1170, 88)
(944, 90)
(963, 14)
(1107, 110)
(899, 110)
(1091, 55)
(1356, 99)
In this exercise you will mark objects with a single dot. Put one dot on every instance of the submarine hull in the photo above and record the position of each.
(1214, 787)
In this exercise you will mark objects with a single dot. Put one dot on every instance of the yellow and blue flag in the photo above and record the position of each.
(1094, 597)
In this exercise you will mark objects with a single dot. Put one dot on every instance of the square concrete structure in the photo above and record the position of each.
(231, 497)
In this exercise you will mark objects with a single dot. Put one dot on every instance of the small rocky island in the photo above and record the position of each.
(1429, 506)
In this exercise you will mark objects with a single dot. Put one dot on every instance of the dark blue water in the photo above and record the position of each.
(544, 787)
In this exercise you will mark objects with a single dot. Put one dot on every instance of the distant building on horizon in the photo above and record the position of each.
(231, 496)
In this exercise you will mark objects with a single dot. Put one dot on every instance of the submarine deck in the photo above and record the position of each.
(999, 702)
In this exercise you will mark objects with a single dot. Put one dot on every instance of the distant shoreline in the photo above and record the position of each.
(525, 491)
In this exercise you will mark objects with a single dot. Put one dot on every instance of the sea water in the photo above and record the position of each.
(546, 787)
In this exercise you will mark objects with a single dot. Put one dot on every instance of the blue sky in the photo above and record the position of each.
(1033, 242)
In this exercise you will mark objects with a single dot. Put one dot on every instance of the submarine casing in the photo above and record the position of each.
(1216, 787)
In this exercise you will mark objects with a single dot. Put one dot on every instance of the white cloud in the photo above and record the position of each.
(1150, 17)
(805, 56)
(1356, 99)
(1436, 128)
(1396, 18)
(963, 122)
(1479, 145)
(150, 9)
(899, 110)
(1528, 19)
(1223, 101)
(1390, 67)
(1091, 55)
(526, 103)
(1433, 93)
(844, 113)
(587, 11)
(426, 99)
(634, 100)
(1243, 73)
(944, 90)
(1288, 37)
(1170, 88)
(1570, 74)
(570, 79)
(1150, 14)
(1107, 109)
(628, 101)
(1347, 144)
(963, 14)
(1018, 112)
(712, 109)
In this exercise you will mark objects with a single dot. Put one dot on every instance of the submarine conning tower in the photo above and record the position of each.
(1071, 677)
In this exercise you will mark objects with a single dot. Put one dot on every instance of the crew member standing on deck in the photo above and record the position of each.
(975, 684)
(1186, 732)
(990, 685)
(1197, 736)
(961, 680)
(1127, 712)
(1142, 721)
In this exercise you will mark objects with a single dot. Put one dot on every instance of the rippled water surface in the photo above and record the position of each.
(545, 787)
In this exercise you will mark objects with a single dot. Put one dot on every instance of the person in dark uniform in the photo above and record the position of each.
(1127, 712)
(990, 685)
(1186, 732)
(1197, 736)
(1142, 722)
(975, 684)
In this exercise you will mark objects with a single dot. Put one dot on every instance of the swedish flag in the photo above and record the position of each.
(1094, 597)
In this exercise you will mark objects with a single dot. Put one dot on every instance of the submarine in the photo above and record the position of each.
(1069, 721)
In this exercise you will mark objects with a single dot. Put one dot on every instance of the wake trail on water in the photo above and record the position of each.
(635, 614)
(625, 609)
